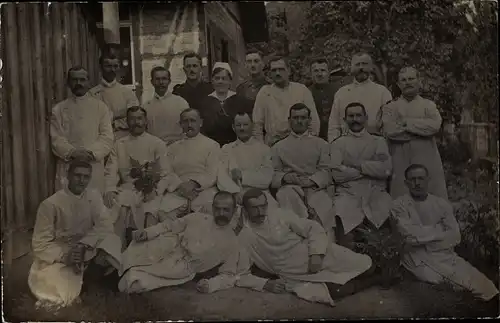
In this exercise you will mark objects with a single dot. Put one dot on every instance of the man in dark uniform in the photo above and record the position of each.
(255, 65)
(323, 91)
(194, 90)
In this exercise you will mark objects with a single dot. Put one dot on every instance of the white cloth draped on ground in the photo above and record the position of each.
(410, 128)
(194, 159)
(141, 149)
(178, 249)
(282, 246)
(163, 116)
(433, 232)
(81, 123)
(118, 98)
(272, 108)
(305, 155)
(361, 193)
(372, 95)
(253, 159)
(64, 220)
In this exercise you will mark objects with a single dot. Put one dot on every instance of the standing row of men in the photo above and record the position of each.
(191, 168)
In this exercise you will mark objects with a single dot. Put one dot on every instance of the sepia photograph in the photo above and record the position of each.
(249, 160)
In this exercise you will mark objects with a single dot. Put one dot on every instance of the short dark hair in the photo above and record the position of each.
(225, 194)
(297, 107)
(136, 108)
(78, 163)
(319, 60)
(242, 113)
(406, 68)
(189, 110)
(352, 105)
(415, 166)
(74, 69)
(252, 193)
(278, 58)
(254, 51)
(159, 68)
(217, 70)
(108, 54)
(191, 55)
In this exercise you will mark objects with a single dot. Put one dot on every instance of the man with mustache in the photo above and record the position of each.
(323, 93)
(195, 160)
(360, 166)
(130, 207)
(363, 90)
(117, 97)
(164, 108)
(301, 176)
(432, 232)
(72, 234)
(273, 102)
(410, 125)
(298, 251)
(255, 66)
(246, 162)
(174, 251)
(195, 89)
(80, 128)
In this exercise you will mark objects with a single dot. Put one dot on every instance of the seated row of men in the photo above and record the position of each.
(188, 220)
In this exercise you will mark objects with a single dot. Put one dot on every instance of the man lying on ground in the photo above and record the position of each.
(73, 229)
(174, 251)
(298, 251)
(432, 232)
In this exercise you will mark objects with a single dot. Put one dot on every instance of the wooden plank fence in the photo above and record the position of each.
(39, 43)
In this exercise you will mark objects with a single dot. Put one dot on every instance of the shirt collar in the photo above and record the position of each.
(417, 97)
(78, 98)
(249, 141)
(368, 81)
(296, 135)
(358, 134)
(158, 97)
(71, 194)
(109, 84)
(229, 94)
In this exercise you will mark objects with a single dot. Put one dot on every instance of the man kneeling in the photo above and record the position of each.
(432, 233)
(297, 250)
(73, 228)
(175, 250)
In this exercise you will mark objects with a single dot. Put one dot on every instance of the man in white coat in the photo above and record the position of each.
(432, 232)
(301, 170)
(73, 230)
(164, 108)
(410, 125)
(195, 160)
(133, 158)
(273, 102)
(246, 162)
(298, 251)
(360, 166)
(80, 128)
(115, 95)
(363, 90)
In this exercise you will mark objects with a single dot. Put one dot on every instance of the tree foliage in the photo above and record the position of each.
(453, 43)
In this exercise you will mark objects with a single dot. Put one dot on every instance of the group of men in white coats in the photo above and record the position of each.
(211, 205)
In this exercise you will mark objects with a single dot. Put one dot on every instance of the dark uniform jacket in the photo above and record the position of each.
(218, 116)
(323, 95)
(193, 95)
(250, 88)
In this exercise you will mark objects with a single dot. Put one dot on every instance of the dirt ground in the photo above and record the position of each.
(405, 300)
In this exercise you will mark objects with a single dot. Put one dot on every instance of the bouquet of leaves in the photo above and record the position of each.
(385, 246)
(146, 176)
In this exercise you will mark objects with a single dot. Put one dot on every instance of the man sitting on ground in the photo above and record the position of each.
(72, 231)
(299, 252)
(432, 232)
(174, 251)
